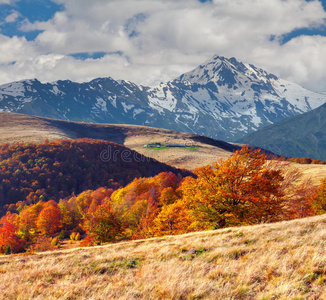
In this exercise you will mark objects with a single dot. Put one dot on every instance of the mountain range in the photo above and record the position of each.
(222, 98)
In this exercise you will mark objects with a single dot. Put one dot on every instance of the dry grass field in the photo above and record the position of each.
(270, 261)
(23, 128)
(314, 172)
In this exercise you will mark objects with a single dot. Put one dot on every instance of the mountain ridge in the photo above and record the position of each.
(23, 128)
(222, 98)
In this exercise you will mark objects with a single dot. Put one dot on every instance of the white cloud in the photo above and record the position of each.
(12, 17)
(7, 1)
(301, 60)
(162, 39)
(15, 49)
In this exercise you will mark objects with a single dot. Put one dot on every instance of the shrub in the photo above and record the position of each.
(73, 236)
(55, 241)
(64, 234)
(8, 250)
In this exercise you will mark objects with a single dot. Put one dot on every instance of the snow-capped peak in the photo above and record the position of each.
(227, 72)
(222, 98)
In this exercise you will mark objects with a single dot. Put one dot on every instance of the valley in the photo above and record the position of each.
(24, 128)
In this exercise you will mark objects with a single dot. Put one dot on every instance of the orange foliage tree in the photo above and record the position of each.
(103, 225)
(48, 221)
(246, 188)
(319, 198)
(27, 221)
(138, 204)
(174, 218)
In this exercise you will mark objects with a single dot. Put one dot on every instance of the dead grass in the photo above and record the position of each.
(315, 172)
(271, 261)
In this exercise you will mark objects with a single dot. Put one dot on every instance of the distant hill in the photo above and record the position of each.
(23, 128)
(299, 136)
(55, 170)
(223, 98)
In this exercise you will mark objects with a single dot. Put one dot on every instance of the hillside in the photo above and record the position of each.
(55, 170)
(300, 136)
(269, 261)
(222, 98)
(23, 128)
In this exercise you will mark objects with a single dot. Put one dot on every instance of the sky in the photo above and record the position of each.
(153, 41)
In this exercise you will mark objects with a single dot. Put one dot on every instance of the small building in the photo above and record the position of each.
(175, 145)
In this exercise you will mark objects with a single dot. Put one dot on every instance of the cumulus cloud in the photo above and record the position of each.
(15, 49)
(159, 40)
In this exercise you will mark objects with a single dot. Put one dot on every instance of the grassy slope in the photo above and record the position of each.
(271, 261)
(23, 128)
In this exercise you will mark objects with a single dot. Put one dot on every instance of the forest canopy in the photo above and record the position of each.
(55, 170)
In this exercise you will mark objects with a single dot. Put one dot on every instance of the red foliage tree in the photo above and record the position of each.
(8, 235)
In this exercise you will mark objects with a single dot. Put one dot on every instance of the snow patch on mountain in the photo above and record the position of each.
(15, 89)
(101, 105)
(127, 107)
(55, 90)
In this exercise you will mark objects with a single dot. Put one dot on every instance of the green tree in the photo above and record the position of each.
(102, 226)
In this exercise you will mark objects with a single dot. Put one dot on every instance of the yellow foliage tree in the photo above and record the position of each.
(173, 219)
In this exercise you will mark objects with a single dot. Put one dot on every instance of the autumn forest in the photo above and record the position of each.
(97, 192)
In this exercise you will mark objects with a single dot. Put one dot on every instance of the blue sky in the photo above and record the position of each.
(148, 41)
(32, 10)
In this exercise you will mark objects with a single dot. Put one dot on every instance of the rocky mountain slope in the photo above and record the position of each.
(299, 136)
(222, 98)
